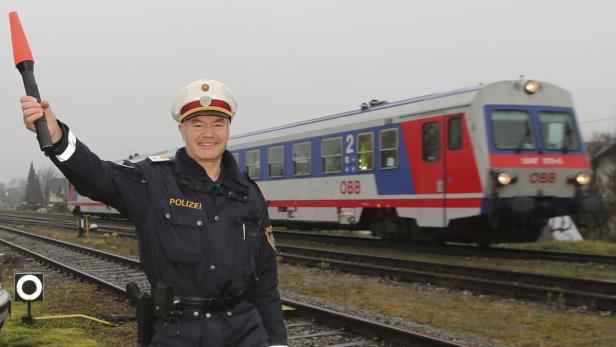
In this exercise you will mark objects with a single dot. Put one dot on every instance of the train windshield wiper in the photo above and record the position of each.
(567, 139)
(523, 141)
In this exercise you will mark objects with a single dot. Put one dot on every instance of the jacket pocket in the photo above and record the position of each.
(247, 228)
(181, 239)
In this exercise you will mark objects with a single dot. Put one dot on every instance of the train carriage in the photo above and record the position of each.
(485, 164)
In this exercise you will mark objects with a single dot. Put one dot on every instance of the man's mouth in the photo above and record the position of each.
(206, 144)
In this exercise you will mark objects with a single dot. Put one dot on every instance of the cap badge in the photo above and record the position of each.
(205, 100)
(205, 87)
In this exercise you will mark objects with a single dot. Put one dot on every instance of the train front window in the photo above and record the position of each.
(513, 130)
(558, 131)
(331, 155)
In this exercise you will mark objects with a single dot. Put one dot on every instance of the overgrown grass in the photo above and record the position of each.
(515, 322)
(586, 246)
(64, 297)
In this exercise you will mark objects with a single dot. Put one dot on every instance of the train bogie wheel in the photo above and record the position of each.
(385, 224)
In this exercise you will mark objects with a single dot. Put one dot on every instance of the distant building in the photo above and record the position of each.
(57, 191)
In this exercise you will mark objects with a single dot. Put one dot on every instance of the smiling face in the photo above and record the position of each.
(205, 138)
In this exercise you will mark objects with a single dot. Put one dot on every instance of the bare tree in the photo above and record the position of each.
(46, 177)
(602, 150)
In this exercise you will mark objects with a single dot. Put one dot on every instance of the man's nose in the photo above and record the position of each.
(207, 131)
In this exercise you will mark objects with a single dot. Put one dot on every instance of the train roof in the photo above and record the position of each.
(370, 108)
(501, 92)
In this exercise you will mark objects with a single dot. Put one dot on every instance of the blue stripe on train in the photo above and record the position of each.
(388, 181)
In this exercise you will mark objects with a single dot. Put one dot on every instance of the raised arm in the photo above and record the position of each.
(119, 186)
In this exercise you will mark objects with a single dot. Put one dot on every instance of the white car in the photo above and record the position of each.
(5, 305)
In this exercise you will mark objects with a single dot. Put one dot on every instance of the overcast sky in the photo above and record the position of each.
(112, 68)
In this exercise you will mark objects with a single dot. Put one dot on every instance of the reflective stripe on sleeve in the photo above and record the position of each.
(70, 149)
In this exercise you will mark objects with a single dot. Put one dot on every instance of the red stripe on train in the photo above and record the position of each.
(440, 203)
(540, 160)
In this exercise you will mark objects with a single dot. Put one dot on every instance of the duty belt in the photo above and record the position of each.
(212, 305)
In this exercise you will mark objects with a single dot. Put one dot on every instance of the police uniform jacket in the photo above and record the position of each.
(204, 238)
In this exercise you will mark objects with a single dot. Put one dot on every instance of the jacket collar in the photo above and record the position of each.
(230, 176)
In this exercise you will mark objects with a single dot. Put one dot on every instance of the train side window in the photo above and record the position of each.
(365, 151)
(455, 134)
(431, 141)
(331, 155)
(302, 160)
(253, 164)
(236, 156)
(389, 148)
(275, 161)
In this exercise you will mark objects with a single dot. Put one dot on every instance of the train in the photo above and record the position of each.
(486, 164)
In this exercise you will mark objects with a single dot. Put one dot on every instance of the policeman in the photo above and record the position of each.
(204, 234)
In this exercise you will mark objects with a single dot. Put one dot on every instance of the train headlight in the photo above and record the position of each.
(505, 179)
(582, 179)
(531, 87)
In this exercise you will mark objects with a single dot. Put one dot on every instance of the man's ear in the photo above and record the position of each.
(181, 129)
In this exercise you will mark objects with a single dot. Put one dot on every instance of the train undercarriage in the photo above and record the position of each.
(506, 221)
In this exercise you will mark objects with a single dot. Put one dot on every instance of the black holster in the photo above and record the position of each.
(144, 313)
(163, 299)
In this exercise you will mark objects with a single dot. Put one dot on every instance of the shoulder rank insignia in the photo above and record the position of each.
(269, 234)
(125, 164)
(158, 158)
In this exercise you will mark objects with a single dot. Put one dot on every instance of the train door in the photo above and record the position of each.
(444, 168)
(431, 183)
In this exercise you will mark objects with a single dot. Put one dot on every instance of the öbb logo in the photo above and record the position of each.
(350, 187)
(542, 177)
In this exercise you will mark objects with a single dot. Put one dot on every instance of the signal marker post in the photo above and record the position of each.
(28, 287)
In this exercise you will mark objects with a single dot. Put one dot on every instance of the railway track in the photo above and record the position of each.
(112, 272)
(451, 249)
(66, 222)
(594, 294)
